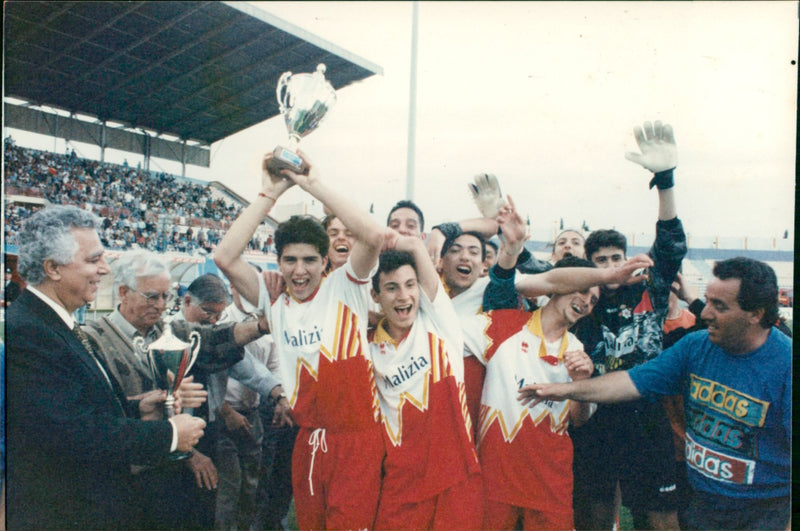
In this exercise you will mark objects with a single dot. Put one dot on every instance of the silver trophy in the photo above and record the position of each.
(304, 100)
(168, 354)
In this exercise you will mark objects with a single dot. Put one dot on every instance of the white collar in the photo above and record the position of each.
(60, 310)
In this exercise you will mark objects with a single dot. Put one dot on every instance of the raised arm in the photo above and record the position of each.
(659, 154)
(426, 272)
(500, 292)
(369, 235)
(571, 279)
(228, 255)
(485, 191)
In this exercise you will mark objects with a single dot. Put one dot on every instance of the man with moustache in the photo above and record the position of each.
(735, 378)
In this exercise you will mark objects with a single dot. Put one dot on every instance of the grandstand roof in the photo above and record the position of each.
(196, 70)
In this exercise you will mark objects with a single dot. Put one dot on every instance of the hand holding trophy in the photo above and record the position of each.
(304, 100)
(168, 354)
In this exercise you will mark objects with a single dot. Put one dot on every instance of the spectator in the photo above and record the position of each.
(240, 433)
(130, 199)
(11, 289)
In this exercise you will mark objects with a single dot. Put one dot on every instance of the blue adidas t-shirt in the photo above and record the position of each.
(738, 412)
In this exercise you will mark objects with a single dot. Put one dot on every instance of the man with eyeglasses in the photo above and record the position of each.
(204, 303)
(72, 435)
(142, 284)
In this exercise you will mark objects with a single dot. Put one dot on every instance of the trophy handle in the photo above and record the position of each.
(138, 345)
(281, 91)
(194, 350)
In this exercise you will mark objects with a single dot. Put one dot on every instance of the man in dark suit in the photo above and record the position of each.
(72, 434)
(12, 289)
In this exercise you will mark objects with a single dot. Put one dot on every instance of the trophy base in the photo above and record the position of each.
(283, 158)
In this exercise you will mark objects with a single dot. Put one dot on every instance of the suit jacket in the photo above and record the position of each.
(71, 435)
(12, 291)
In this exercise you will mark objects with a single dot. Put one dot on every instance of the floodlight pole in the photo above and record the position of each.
(412, 105)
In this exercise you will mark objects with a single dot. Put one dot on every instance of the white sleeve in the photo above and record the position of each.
(263, 299)
(445, 322)
(475, 340)
(355, 291)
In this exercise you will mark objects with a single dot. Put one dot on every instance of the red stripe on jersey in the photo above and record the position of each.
(354, 280)
(502, 325)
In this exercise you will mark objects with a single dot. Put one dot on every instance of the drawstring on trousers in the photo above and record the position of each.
(316, 441)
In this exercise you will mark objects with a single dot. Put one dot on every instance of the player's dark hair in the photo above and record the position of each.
(302, 229)
(573, 261)
(605, 238)
(758, 286)
(326, 221)
(208, 288)
(405, 203)
(450, 241)
(389, 261)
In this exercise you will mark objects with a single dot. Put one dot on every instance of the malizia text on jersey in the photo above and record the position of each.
(302, 337)
(405, 371)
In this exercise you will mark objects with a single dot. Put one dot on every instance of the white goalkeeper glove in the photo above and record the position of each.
(657, 145)
(486, 194)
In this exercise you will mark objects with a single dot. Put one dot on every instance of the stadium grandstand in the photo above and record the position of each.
(160, 80)
(215, 65)
(187, 223)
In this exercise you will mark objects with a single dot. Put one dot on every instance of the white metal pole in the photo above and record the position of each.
(412, 105)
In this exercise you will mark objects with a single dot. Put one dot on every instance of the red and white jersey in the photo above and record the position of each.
(525, 453)
(321, 343)
(470, 302)
(420, 383)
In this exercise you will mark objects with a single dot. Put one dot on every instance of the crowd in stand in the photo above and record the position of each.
(136, 211)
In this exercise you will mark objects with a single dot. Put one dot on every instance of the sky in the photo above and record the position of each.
(545, 95)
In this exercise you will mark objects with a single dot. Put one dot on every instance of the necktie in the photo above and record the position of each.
(88, 346)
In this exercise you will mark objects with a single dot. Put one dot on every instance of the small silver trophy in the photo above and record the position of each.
(168, 354)
(304, 100)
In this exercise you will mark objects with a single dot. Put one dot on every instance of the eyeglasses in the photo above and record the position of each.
(153, 298)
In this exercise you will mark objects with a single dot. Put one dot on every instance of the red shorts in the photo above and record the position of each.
(460, 507)
(497, 515)
(336, 477)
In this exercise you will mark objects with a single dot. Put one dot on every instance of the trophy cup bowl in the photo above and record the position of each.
(169, 354)
(304, 100)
